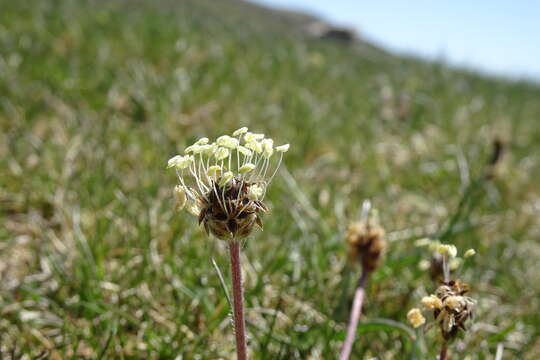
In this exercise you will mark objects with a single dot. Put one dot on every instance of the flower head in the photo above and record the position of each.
(450, 307)
(366, 243)
(223, 183)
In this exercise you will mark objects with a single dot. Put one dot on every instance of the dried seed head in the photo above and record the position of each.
(450, 307)
(366, 244)
(228, 212)
(455, 310)
(223, 183)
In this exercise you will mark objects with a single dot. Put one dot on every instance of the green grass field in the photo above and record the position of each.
(95, 96)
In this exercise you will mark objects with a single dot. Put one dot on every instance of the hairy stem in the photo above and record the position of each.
(355, 316)
(444, 351)
(238, 301)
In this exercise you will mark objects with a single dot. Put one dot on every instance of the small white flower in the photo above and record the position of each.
(172, 161)
(445, 249)
(244, 150)
(222, 153)
(255, 146)
(202, 141)
(209, 149)
(246, 168)
(469, 253)
(251, 137)
(227, 141)
(283, 148)
(240, 131)
(268, 147)
(255, 192)
(179, 161)
(193, 149)
(226, 178)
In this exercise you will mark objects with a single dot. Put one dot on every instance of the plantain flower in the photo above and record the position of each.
(223, 183)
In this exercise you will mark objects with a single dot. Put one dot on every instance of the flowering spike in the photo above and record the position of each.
(217, 190)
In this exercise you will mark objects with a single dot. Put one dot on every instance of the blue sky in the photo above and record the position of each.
(498, 37)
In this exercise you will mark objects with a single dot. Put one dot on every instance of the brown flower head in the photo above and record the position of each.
(224, 183)
(450, 307)
(366, 243)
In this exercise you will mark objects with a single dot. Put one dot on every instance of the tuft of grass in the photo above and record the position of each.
(94, 262)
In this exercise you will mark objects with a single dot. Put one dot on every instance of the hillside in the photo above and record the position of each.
(95, 96)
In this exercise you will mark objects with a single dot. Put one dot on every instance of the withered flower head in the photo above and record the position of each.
(366, 243)
(224, 183)
(450, 307)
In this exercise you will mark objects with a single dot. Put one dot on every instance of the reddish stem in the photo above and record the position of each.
(444, 351)
(238, 301)
(355, 316)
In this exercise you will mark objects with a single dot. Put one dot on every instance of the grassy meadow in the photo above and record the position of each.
(95, 263)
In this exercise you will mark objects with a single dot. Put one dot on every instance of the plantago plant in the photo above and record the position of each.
(223, 184)
(365, 240)
(449, 305)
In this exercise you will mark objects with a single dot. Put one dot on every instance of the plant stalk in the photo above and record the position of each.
(355, 316)
(238, 301)
(444, 351)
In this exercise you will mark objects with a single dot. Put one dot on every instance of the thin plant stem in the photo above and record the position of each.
(238, 301)
(355, 316)
(444, 351)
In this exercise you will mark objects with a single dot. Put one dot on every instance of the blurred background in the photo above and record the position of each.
(495, 37)
(428, 110)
